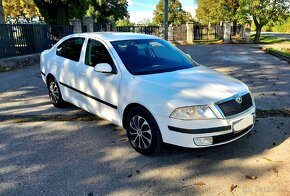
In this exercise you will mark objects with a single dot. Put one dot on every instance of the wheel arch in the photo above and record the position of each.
(128, 108)
(48, 77)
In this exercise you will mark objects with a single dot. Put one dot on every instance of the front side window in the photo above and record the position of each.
(149, 56)
(97, 53)
(71, 48)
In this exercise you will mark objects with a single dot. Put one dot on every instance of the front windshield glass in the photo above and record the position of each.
(149, 56)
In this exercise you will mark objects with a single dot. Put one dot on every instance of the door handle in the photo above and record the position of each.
(83, 74)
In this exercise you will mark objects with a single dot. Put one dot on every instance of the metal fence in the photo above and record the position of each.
(151, 30)
(22, 39)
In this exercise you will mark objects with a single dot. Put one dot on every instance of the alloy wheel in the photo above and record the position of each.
(140, 132)
(53, 92)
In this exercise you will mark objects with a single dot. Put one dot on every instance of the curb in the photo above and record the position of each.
(276, 54)
(18, 62)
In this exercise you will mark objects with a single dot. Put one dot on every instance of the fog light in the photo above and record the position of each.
(203, 141)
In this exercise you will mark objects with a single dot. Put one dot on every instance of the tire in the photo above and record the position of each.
(143, 131)
(54, 93)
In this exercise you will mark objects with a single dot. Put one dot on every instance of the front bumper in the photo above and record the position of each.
(221, 131)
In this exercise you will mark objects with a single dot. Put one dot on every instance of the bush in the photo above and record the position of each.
(283, 28)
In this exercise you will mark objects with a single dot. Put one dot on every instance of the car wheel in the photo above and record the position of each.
(143, 131)
(54, 93)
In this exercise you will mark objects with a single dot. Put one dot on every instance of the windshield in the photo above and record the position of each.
(149, 56)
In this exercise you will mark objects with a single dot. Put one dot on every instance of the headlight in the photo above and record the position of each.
(193, 112)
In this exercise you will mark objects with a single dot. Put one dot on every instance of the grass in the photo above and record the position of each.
(283, 51)
(270, 40)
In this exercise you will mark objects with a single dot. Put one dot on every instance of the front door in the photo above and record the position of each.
(101, 90)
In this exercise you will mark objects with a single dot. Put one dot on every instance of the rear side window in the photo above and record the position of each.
(71, 48)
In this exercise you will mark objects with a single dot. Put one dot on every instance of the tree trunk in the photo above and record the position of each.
(258, 29)
(258, 34)
(2, 20)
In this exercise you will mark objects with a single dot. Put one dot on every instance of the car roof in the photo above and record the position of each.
(116, 36)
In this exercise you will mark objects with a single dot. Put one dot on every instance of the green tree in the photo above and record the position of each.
(124, 22)
(60, 11)
(283, 26)
(262, 12)
(209, 11)
(20, 10)
(229, 12)
(2, 21)
(146, 22)
(176, 15)
(104, 11)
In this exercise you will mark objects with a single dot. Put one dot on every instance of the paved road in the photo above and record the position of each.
(277, 35)
(49, 155)
(267, 77)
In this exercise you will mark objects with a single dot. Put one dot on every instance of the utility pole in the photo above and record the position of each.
(166, 20)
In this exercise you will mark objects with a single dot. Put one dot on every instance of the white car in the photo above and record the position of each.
(149, 87)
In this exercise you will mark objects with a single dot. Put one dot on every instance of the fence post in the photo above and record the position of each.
(77, 25)
(189, 32)
(114, 27)
(89, 22)
(227, 32)
(242, 32)
(248, 33)
(170, 33)
(108, 26)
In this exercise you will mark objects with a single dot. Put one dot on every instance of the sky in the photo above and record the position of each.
(140, 9)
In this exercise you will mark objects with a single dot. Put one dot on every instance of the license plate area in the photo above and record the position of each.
(241, 124)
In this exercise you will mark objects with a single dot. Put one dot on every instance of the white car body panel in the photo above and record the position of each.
(160, 93)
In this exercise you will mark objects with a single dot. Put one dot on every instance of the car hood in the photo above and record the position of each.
(197, 85)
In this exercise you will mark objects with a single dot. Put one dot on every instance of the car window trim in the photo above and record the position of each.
(67, 40)
(114, 66)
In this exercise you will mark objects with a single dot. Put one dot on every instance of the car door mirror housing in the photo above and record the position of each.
(103, 68)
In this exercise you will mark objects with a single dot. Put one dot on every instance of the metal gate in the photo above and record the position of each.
(207, 33)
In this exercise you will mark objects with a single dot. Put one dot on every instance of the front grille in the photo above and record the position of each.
(229, 136)
(232, 107)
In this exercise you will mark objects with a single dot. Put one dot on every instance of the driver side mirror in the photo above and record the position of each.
(103, 68)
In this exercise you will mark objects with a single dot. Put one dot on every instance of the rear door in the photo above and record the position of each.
(67, 61)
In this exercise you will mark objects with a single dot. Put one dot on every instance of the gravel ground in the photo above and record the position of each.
(95, 158)
(51, 153)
